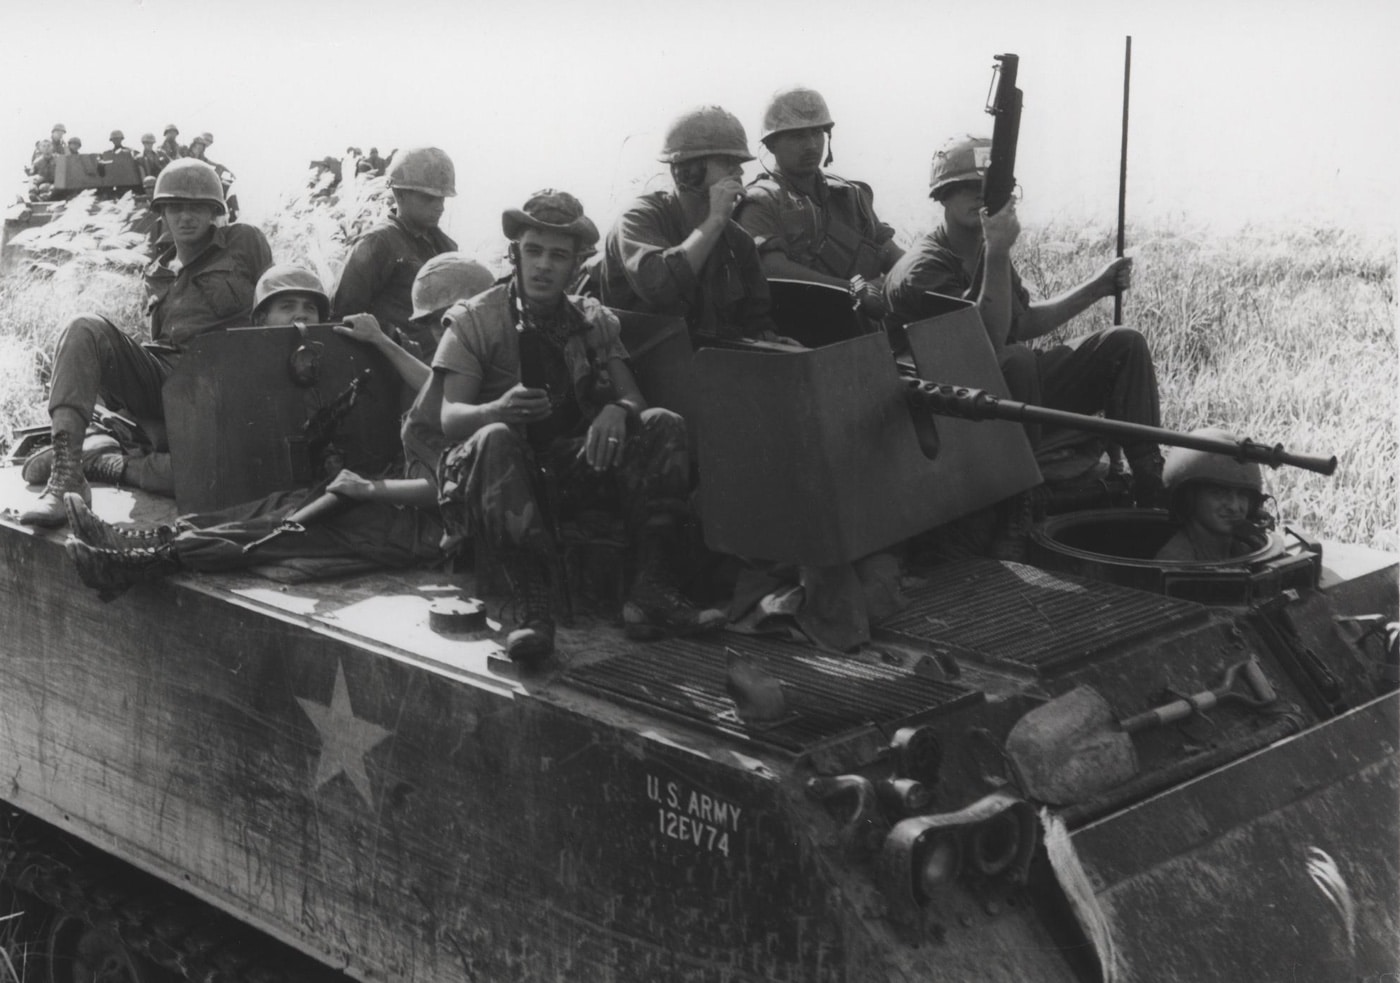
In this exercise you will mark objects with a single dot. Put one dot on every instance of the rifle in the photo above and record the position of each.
(978, 404)
(1004, 104)
(322, 507)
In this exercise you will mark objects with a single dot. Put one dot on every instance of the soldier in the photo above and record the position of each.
(198, 146)
(368, 530)
(117, 136)
(1216, 500)
(202, 282)
(58, 139)
(810, 225)
(969, 255)
(42, 166)
(378, 275)
(170, 146)
(535, 382)
(682, 253)
(150, 160)
(75, 145)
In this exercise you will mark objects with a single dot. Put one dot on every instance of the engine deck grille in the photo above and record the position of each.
(1029, 619)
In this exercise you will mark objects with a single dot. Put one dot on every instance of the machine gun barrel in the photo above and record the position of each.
(978, 404)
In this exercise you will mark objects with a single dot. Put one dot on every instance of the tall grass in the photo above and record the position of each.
(1285, 337)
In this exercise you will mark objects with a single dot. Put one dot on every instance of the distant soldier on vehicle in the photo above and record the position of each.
(379, 272)
(376, 163)
(968, 255)
(75, 145)
(58, 139)
(42, 166)
(809, 224)
(171, 147)
(118, 147)
(198, 148)
(151, 160)
(681, 252)
(535, 386)
(202, 282)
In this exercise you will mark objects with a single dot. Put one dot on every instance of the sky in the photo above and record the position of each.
(1242, 111)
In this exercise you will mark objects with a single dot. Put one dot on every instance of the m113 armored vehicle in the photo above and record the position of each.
(1091, 766)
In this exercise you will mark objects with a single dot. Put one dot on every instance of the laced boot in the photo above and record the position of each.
(66, 476)
(90, 528)
(112, 571)
(656, 608)
(103, 462)
(533, 639)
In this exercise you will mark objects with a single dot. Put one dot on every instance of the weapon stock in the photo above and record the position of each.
(1004, 104)
(978, 404)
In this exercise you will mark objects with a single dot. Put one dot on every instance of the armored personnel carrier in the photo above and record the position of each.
(1089, 766)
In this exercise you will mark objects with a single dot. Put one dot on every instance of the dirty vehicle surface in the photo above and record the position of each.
(1087, 767)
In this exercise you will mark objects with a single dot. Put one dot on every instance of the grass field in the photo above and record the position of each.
(1284, 337)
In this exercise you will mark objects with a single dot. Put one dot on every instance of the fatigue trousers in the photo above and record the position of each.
(96, 359)
(1109, 371)
(363, 536)
(491, 486)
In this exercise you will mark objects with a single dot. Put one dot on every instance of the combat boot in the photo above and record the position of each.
(103, 462)
(90, 528)
(656, 608)
(112, 571)
(533, 639)
(65, 477)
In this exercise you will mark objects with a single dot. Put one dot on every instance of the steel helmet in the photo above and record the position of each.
(551, 211)
(446, 279)
(707, 131)
(171, 128)
(288, 278)
(59, 128)
(189, 179)
(425, 169)
(961, 160)
(795, 108)
(207, 137)
(116, 135)
(199, 140)
(148, 138)
(1184, 465)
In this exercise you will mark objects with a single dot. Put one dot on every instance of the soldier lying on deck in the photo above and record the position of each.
(203, 282)
(377, 532)
(535, 386)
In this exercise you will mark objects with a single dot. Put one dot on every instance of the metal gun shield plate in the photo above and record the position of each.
(237, 419)
(812, 456)
(79, 172)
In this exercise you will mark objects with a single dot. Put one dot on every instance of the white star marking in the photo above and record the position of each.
(345, 739)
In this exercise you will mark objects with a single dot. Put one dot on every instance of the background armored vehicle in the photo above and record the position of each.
(1036, 772)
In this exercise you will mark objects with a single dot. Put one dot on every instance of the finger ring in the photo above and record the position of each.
(612, 440)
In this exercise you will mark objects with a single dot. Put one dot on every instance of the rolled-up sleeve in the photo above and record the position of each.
(656, 270)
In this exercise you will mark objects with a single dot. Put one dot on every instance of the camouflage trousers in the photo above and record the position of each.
(497, 489)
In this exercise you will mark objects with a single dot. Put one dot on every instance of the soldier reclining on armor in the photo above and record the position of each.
(534, 390)
(375, 534)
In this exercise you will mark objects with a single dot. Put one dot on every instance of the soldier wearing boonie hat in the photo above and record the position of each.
(532, 378)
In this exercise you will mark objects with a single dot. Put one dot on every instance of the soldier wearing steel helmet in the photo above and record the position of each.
(202, 281)
(810, 224)
(1216, 501)
(58, 137)
(150, 160)
(170, 145)
(533, 389)
(379, 273)
(968, 255)
(681, 252)
(371, 530)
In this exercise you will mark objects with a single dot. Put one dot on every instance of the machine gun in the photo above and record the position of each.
(978, 404)
(1004, 104)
